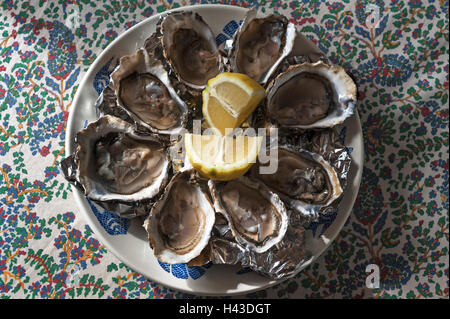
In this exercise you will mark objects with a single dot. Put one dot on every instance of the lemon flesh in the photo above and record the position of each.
(229, 99)
(222, 158)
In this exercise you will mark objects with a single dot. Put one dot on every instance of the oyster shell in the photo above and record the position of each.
(107, 104)
(256, 216)
(180, 223)
(190, 48)
(305, 180)
(144, 91)
(116, 164)
(260, 44)
(310, 95)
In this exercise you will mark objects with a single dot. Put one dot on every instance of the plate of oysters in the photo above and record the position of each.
(215, 149)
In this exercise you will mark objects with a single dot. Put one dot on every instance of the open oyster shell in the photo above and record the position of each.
(144, 92)
(115, 164)
(256, 216)
(304, 180)
(310, 95)
(107, 104)
(190, 48)
(180, 223)
(260, 44)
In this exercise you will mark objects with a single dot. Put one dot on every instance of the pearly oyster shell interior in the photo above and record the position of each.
(260, 44)
(179, 225)
(303, 179)
(114, 163)
(144, 91)
(257, 217)
(190, 48)
(311, 95)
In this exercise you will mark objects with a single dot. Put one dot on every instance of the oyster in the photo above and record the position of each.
(260, 44)
(311, 95)
(144, 91)
(190, 48)
(115, 164)
(107, 104)
(180, 223)
(256, 216)
(303, 179)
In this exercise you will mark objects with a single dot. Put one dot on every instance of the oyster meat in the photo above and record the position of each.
(311, 95)
(303, 179)
(114, 163)
(256, 216)
(190, 48)
(144, 91)
(180, 223)
(260, 44)
(107, 104)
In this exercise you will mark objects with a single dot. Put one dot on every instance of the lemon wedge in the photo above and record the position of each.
(219, 157)
(229, 99)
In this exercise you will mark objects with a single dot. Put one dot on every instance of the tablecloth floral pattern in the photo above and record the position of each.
(397, 51)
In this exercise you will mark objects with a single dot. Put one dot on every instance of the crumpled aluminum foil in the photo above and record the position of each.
(287, 257)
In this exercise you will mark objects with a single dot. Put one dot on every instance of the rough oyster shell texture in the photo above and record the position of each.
(260, 45)
(154, 94)
(117, 167)
(304, 180)
(144, 92)
(189, 47)
(310, 95)
(256, 216)
(180, 223)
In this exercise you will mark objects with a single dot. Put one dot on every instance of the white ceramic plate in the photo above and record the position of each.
(127, 239)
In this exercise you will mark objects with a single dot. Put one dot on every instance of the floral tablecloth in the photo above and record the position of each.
(397, 51)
